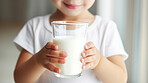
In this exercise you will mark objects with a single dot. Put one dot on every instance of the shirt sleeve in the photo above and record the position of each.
(113, 42)
(24, 39)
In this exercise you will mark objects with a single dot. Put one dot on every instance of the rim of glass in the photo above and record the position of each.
(69, 22)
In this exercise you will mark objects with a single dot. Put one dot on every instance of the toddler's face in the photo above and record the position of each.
(73, 7)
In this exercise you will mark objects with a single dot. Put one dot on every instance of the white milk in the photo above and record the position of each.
(74, 47)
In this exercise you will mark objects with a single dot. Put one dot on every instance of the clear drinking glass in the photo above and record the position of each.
(70, 36)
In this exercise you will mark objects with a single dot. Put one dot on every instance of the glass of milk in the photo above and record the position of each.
(70, 36)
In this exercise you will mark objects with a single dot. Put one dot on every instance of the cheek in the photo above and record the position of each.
(54, 1)
(57, 3)
(89, 3)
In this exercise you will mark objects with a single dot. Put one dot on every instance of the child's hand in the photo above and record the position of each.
(49, 55)
(91, 56)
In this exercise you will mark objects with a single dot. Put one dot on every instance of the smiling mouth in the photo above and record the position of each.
(72, 6)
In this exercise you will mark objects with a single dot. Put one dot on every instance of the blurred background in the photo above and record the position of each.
(131, 17)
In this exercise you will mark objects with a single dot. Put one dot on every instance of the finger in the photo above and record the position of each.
(88, 52)
(56, 60)
(88, 65)
(52, 68)
(56, 53)
(51, 45)
(89, 45)
(88, 59)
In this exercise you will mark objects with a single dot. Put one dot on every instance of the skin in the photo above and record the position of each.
(30, 67)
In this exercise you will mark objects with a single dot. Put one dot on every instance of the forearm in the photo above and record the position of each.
(28, 72)
(108, 72)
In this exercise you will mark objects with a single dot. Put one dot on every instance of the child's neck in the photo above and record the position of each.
(85, 17)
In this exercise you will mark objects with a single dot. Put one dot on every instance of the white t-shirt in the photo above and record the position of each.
(102, 32)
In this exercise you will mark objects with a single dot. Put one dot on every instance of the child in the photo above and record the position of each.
(104, 54)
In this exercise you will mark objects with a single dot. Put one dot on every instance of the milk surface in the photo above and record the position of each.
(74, 46)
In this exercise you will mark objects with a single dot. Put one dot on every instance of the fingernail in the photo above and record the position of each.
(83, 54)
(62, 61)
(84, 67)
(86, 46)
(82, 60)
(57, 70)
(54, 47)
(64, 54)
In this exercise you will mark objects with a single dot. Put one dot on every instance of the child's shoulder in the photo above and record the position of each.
(38, 19)
(104, 19)
(104, 22)
(38, 22)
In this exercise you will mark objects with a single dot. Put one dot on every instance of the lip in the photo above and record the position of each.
(71, 6)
